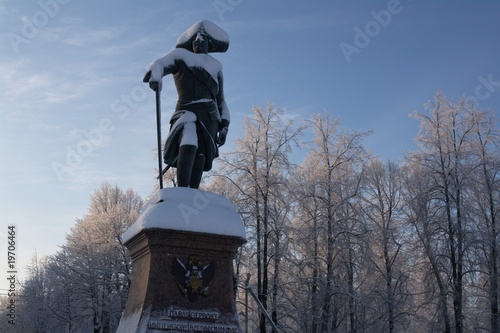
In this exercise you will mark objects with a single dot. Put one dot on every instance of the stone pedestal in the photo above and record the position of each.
(182, 249)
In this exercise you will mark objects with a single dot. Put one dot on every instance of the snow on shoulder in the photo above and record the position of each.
(187, 209)
(200, 60)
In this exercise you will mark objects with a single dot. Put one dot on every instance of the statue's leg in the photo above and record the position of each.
(185, 163)
(187, 154)
(199, 164)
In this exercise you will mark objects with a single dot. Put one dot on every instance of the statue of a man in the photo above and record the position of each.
(200, 122)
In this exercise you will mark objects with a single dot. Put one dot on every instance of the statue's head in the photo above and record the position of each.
(201, 42)
(204, 37)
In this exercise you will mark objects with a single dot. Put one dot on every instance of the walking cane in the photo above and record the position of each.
(158, 134)
(166, 168)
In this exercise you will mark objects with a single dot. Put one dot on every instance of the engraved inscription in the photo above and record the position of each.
(186, 326)
(194, 314)
(184, 320)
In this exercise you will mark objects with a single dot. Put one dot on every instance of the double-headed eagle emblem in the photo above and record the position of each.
(193, 278)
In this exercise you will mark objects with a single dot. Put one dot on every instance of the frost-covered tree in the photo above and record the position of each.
(387, 264)
(340, 243)
(425, 211)
(97, 255)
(258, 170)
(485, 197)
(444, 153)
(84, 286)
(34, 308)
(453, 213)
(327, 222)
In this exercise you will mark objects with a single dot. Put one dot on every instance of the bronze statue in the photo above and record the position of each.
(201, 119)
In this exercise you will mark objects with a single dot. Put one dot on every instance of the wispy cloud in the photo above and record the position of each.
(23, 83)
(85, 176)
(88, 37)
(123, 47)
(307, 21)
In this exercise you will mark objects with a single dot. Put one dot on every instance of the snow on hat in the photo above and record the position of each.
(218, 38)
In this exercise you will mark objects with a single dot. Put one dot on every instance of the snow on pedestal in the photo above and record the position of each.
(182, 247)
(187, 209)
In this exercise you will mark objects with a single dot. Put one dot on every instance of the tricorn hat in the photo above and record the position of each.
(218, 40)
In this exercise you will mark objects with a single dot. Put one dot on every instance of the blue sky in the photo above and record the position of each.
(74, 110)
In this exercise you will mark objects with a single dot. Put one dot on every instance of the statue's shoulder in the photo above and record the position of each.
(193, 58)
(201, 61)
(179, 53)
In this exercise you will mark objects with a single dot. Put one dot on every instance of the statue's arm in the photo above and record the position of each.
(224, 112)
(168, 64)
(221, 103)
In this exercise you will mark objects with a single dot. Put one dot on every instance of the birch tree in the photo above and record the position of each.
(34, 308)
(259, 169)
(329, 180)
(87, 281)
(98, 255)
(445, 154)
(486, 200)
(388, 238)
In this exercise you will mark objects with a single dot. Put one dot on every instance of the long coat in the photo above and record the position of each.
(199, 83)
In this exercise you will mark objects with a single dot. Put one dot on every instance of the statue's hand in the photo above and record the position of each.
(155, 85)
(221, 139)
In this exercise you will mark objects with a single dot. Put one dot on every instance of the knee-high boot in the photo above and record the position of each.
(185, 161)
(199, 164)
